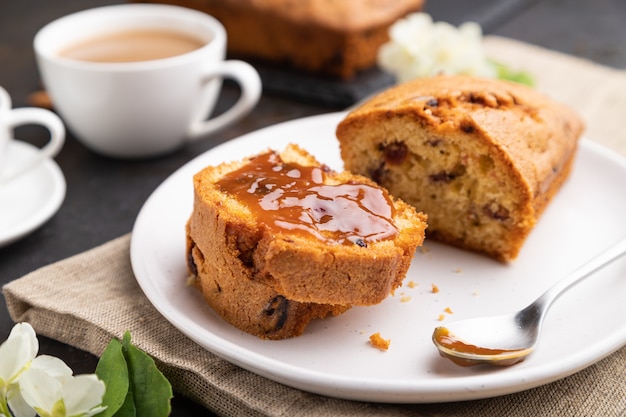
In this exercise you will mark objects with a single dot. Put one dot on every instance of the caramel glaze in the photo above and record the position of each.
(294, 198)
(444, 338)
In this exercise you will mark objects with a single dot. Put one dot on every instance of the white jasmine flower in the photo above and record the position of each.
(18, 406)
(52, 366)
(419, 47)
(44, 385)
(62, 395)
(16, 356)
(16, 353)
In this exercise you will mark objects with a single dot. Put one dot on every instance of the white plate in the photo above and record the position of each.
(334, 358)
(31, 199)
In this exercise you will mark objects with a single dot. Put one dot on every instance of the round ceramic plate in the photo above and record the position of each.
(29, 200)
(334, 356)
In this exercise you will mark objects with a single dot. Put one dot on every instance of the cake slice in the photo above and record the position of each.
(278, 239)
(482, 158)
(249, 305)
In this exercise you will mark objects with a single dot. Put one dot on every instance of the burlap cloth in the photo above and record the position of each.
(87, 299)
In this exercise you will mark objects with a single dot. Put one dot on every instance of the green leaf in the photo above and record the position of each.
(506, 73)
(151, 391)
(127, 409)
(113, 371)
(134, 385)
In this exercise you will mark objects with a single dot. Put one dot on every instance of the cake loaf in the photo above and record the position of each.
(481, 157)
(336, 38)
(277, 240)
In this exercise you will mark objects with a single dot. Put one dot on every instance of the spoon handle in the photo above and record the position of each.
(606, 257)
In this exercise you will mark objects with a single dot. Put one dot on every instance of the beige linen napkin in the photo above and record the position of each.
(92, 297)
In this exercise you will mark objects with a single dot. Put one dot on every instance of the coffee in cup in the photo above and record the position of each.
(125, 101)
(133, 45)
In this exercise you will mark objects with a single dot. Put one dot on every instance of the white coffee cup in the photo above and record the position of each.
(142, 108)
(10, 118)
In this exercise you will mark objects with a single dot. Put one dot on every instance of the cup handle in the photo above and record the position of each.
(45, 118)
(250, 82)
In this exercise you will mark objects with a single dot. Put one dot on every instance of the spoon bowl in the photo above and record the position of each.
(513, 342)
(508, 339)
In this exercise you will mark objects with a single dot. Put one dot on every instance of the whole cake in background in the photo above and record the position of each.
(481, 157)
(335, 38)
(278, 239)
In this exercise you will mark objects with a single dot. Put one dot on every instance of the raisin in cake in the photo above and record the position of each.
(277, 240)
(482, 158)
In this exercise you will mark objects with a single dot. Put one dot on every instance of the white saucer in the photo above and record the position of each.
(31, 199)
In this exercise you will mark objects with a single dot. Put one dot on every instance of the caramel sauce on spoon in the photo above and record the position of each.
(469, 355)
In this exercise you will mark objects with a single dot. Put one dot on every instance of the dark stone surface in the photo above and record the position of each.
(104, 195)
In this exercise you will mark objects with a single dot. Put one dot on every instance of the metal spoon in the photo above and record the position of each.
(508, 339)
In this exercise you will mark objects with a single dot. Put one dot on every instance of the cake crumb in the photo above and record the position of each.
(424, 249)
(405, 299)
(459, 270)
(411, 284)
(441, 317)
(378, 342)
(434, 289)
(448, 310)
